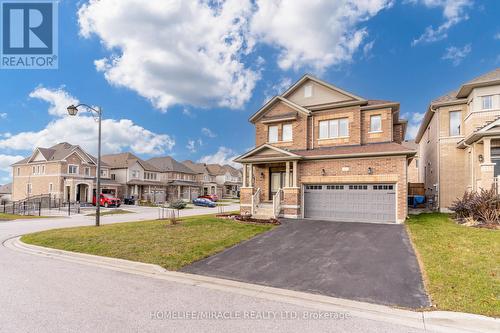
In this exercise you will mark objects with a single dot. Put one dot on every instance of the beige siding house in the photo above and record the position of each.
(324, 153)
(459, 140)
(63, 171)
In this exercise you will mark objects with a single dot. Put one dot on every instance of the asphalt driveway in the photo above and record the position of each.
(361, 261)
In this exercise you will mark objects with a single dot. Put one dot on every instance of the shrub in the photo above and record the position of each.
(482, 206)
(178, 204)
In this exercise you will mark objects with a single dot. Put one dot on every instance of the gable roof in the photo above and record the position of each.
(6, 189)
(274, 153)
(167, 163)
(125, 160)
(307, 77)
(59, 152)
(196, 167)
(275, 100)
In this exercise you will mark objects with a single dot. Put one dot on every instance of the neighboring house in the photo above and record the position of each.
(229, 179)
(138, 178)
(5, 193)
(413, 172)
(324, 153)
(459, 140)
(180, 180)
(64, 171)
(206, 180)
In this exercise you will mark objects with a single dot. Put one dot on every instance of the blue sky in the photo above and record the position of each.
(185, 85)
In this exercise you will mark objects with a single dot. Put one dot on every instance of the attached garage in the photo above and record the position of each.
(351, 202)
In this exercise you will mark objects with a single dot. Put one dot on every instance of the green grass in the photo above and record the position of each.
(156, 242)
(8, 217)
(112, 212)
(461, 264)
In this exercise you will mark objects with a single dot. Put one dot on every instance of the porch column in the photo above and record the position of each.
(287, 174)
(251, 175)
(244, 175)
(295, 173)
(487, 150)
(178, 192)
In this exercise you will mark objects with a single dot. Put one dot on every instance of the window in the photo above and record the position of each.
(455, 122)
(334, 128)
(273, 134)
(376, 123)
(287, 132)
(87, 171)
(308, 90)
(72, 169)
(136, 173)
(383, 187)
(487, 102)
(314, 187)
(18, 171)
(51, 187)
(29, 188)
(104, 173)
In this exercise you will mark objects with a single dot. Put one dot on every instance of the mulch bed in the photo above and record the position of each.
(247, 219)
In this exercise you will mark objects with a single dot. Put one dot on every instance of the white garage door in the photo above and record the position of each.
(350, 202)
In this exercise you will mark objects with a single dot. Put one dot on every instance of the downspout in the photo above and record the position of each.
(312, 132)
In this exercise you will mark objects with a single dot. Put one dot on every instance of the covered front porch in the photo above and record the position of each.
(484, 161)
(270, 183)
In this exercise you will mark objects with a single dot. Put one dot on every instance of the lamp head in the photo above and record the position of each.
(72, 110)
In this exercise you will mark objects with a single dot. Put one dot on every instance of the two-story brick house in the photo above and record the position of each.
(138, 178)
(324, 153)
(459, 140)
(206, 179)
(228, 179)
(64, 171)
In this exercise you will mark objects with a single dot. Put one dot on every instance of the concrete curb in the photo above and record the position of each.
(436, 321)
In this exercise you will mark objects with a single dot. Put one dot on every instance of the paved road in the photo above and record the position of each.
(39, 294)
(361, 261)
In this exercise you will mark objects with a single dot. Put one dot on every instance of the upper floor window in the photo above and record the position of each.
(38, 169)
(104, 173)
(334, 128)
(287, 132)
(29, 188)
(51, 187)
(113, 176)
(376, 123)
(72, 169)
(455, 122)
(87, 171)
(273, 134)
(308, 90)
(487, 102)
(136, 174)
(18, 171)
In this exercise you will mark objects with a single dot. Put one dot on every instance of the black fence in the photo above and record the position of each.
(33, 206)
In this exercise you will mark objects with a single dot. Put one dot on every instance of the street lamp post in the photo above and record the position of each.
(72, 111)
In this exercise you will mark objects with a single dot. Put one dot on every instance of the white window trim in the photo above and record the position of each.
(376, 131)
(269, 134)
(491, 103)
(77, 169)
(308, 91)
(51, 187)
(449, 124)
(291, 133)
(338, 129)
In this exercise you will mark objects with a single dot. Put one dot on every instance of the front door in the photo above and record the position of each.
(277, 182)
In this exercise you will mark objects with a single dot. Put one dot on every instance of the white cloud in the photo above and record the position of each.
(191, 146)
(414, 121)
(7, 160)
(208, 132)
(367, 50)
(456, 55)
(3, 115)
(58, 99)
(497, 36)
(117, 135)
(314, 34)
(174, 52)
(454, 11)
(277, 88)
(188, 112)
(223, 156)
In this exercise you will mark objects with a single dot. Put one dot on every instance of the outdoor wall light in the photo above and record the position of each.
(323, 172)
(370, 170)
(261, 175)
(481, 158)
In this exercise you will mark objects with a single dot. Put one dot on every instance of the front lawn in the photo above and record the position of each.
(461, 264)
(156, 242)
(8, 217)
